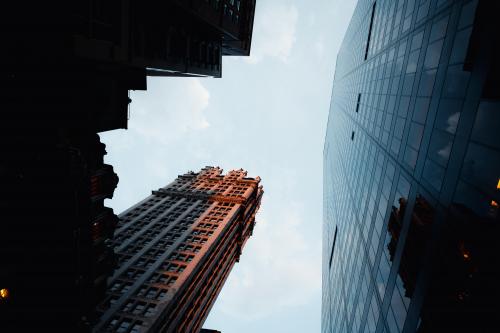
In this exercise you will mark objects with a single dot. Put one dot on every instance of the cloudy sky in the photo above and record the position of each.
(266, 115)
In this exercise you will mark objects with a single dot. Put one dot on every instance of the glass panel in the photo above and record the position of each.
(403, 106)
(440, 147)
(398, 130)
(475, 201)
(423, 10)
(433, 174)
(439, 29)
(398, 308)
(482, 168)
(448, 115)
(412, 62)
(408, 84)
(467, 14)
(421, 109)
(396, 219)
(416, 41)
(487, 124)
(433, 54)
(391, 322)
(456, 82)
(415, 136)
(410, 157)
(427, 83)
(383, 275)
(460, 46)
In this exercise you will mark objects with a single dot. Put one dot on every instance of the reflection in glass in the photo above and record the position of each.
(467, 14)
(478, 202)
(440, 147)
(408, 84)
(427, 83)
(456, 82)
(487, 122)
(415, 245)
(416, 114)
(464, 282)
(433, 54)
(482, 167)
(439, 29)
(416, 41)
(415, 136)
(412, 62)
(410, 157)
(433, 174)
(421, 109)
(448, 115)
(416, 242)
(460, 46)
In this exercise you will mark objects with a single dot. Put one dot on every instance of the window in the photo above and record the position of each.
(370, 31)
(357, 104)
(333, 247)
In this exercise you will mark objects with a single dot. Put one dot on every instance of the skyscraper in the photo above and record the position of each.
(175, 250)
(71, 64)
(412, 170)
(66, 69)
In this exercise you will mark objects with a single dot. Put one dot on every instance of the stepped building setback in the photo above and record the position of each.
(176, 249)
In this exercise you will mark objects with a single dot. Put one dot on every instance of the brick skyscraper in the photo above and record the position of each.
(175, 250)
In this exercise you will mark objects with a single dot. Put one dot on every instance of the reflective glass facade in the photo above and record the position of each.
(412, 170)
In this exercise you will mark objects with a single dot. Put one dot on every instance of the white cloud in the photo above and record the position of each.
(445, 151)
(169, 109)
(282, 269)
(312, 19)
(453, 122)
(274, 32)
(319, 46)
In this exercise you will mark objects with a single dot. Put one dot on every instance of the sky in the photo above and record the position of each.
(267, 115)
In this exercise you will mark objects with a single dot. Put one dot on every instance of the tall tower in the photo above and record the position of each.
(412, 169)
(66, 70)
(175, 250)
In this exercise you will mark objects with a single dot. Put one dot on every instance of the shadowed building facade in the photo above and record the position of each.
(66, 69)
(71, 64)
(175, 250)
(412, 170)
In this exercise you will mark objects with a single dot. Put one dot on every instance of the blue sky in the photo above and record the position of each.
(267, 114)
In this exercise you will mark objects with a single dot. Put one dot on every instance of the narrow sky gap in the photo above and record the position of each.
(267, 114)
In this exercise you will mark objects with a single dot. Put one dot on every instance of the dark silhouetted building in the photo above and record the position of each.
(66, 69)
(412, 170)
(55, 256)
(72, 64)
(175, 250)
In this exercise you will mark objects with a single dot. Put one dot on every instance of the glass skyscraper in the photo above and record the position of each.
(412, 170)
